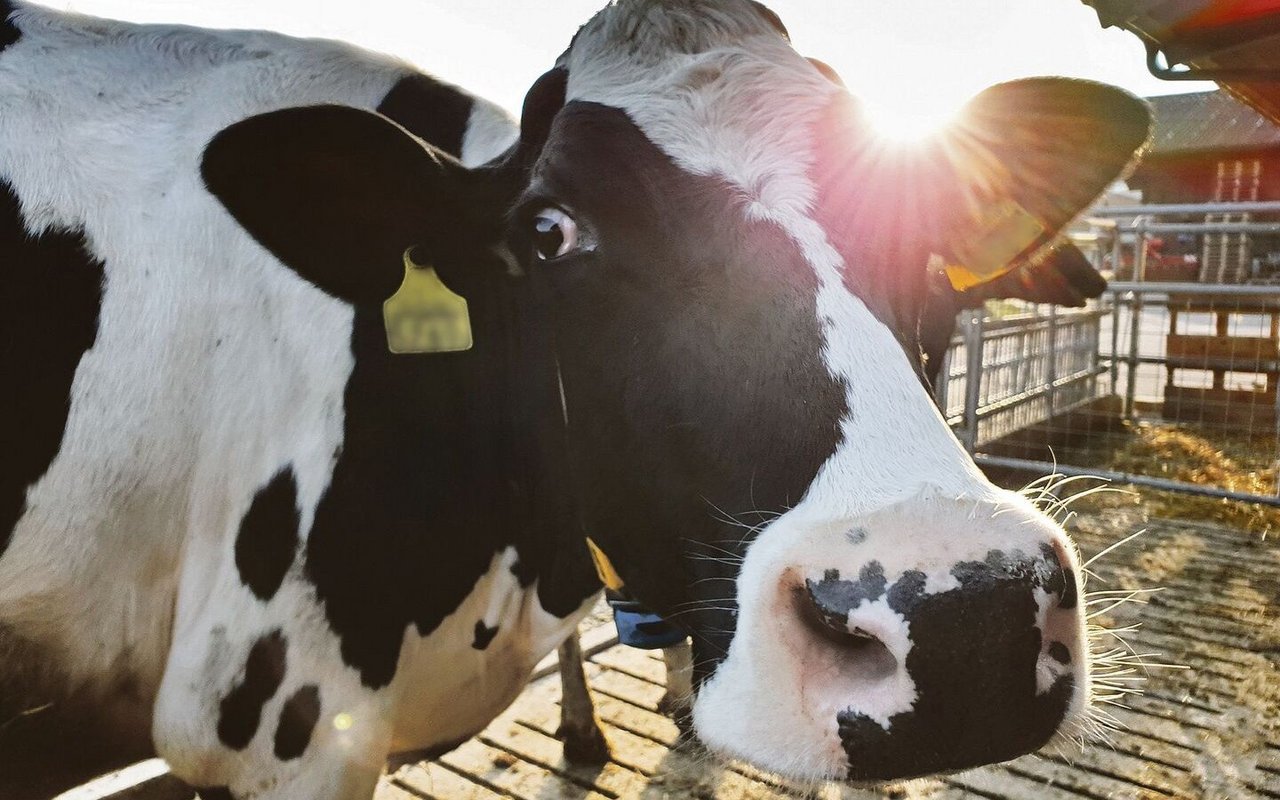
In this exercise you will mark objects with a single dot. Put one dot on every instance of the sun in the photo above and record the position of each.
(908, 120)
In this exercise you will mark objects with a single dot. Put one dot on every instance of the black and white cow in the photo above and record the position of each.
(236, 528)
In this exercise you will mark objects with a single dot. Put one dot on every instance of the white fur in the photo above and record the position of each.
(490, 131)
(214, 367)
(713, 86)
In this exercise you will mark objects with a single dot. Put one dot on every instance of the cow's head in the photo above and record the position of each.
(729, 271)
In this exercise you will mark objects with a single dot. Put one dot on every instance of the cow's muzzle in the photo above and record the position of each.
(987, 658)
(932, 635)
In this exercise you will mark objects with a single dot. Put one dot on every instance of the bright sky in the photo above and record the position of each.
(912, 60)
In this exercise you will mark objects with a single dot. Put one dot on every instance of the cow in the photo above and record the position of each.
(330, 402)
(1062, 277)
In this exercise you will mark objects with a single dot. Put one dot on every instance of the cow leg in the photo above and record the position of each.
(584, 741)
(678, 699)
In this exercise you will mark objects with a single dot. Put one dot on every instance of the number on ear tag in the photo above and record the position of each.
(1006, 232)
(423, 316)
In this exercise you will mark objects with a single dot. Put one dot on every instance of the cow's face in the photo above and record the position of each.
(722, 249)
(730, 274)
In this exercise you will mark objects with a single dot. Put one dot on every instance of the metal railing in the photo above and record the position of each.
(1098, 391)
(1029, 367)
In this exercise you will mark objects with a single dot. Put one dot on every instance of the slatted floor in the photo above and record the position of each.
(1210, 731)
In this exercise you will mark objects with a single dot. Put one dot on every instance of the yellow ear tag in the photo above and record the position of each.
(604, 567)
(1006, 232)
(423, 316)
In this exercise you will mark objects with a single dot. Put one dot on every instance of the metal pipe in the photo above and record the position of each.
(1051, 367)
(1194, 289)
(1243, 364)
(1013, 401)
(1156, 210)
(1019, 323)
(1048, 468)
(1135, 318)
(973, 377)
(1116, 252)
(1264, 228)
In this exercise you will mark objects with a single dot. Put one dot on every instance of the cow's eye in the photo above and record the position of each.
(555, 234)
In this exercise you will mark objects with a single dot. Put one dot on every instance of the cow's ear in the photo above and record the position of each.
(1063, 277)
(992, 190)
(339, 194)
(1021, 161)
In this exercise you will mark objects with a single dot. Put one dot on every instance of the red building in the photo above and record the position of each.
(1209, 147)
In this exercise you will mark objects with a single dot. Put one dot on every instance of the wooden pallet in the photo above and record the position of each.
(1220, 353)
(1211, 731)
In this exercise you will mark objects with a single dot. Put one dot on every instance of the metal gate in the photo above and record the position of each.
(1155, 369)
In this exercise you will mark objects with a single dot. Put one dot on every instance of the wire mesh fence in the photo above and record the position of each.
(1169, 384)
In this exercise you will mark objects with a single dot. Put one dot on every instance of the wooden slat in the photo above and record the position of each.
(1240, 353)
(501, 771)
(434, 781)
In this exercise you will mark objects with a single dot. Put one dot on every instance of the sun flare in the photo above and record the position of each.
(907, 121)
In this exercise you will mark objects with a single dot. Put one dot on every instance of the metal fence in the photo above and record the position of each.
(1165, 384)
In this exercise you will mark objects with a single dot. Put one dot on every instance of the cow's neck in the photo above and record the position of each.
(444, 464)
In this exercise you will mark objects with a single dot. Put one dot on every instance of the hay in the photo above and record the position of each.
(1202, 456)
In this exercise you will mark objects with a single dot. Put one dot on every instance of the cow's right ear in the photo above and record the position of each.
(339, 194)
(1061, 277)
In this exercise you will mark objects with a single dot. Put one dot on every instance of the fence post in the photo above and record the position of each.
(1116, 253)
(1135, 316)
(1051, 367)
(973, 377)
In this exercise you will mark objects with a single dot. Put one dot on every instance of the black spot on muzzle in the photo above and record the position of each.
(973, 661)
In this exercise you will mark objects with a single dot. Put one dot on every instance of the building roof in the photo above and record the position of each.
(1206, 121)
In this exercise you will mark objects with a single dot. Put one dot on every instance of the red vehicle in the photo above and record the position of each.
(1233, 42)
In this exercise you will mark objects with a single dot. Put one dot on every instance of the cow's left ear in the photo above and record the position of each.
(992, 190)
(1023, 159)
(339, 194)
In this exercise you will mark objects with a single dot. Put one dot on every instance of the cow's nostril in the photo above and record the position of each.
(829, 623)
(855, 652)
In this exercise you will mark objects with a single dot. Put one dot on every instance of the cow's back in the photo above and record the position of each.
(166, 366)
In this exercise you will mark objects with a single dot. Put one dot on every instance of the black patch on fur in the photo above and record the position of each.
(834, 598)
(297, 722)
(9, 32)
(907, 592)
(524, 575)
(447, 459)
(691, 351)
(435, 112)
(1070, 592)
(215, 793)
(973, 661)
(49, 305)
(1059, 652)
(483, 635)
(268, 537)
(241, 710)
